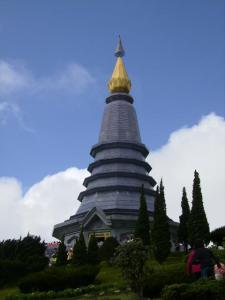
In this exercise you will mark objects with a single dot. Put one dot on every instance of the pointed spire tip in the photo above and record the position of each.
(119, 49)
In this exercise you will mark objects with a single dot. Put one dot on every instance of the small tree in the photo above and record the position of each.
(61, 255)
(107, 250)
(142, 228)
(80, 251)
(131, 257)
(217, 236)
(93, 251)
(198, 224)
(184, 219)
(160, 230)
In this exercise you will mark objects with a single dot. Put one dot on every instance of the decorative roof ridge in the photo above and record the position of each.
(116, 144)
(125, 174)
(123, 160)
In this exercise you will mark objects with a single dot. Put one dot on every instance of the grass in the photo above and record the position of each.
(110, 275)
(123, 296)
(8, 291)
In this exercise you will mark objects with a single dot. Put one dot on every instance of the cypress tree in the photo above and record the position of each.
(184, 218)
(61, 255)
(80, 251)
(160, 230)
(93, 251)
(198, 224)
(142, 228)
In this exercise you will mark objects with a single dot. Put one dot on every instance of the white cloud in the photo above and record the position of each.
(13, 78)
(10, 208)
(53, 199)
(201, 147)
(74, 78)
(46, 203)
(18, 83)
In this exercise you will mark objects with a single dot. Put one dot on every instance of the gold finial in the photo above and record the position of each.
(119, 81)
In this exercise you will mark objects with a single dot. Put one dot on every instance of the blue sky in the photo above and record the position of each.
(48, 121)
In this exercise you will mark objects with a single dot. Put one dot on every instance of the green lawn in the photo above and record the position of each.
(110, 275)
(7, 291)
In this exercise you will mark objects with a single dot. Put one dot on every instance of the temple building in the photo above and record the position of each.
(109, 205)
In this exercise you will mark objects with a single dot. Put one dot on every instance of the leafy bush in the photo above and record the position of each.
(131, 258)
(220, 254)
(10, 270)
(57, 279)
(202, 289)
(168, 274)
(217, 236)
(93, 251)
(19, 257)
(107, 250)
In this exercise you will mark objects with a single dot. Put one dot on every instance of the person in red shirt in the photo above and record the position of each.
(193, 268)
(205, 258)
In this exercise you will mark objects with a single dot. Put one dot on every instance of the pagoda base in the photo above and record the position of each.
(118, 223)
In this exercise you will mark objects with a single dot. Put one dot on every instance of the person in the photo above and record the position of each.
(219, 272)
(193, 268)
(205, 258)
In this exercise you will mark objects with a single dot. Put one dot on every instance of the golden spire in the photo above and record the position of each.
(119, 81)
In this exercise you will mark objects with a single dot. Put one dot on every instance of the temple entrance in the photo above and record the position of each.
(100, 236)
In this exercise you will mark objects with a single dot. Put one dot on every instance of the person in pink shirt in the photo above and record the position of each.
(193, 268)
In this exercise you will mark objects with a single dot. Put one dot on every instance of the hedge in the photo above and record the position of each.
(57, 279)
(166, 275)
(10, 270)
(202, 289)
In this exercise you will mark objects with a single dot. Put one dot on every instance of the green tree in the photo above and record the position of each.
(20, 257)
(160, 228)
(80, 251)
(107, 250)
(131, 258)
(142, 228)
(198, 224)
(184, 219)
(217, 236)
(93, 251)
(61, 255)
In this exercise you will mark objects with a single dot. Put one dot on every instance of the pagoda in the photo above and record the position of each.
(109, 205)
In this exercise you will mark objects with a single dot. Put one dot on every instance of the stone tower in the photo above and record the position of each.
(110, 203)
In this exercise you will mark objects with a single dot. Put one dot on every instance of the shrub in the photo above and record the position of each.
(10, 270)
(19, 257)
(93, 251)
(220, 254)
(217, 236)
(166, 275)
(107, 250)
(202, 289)
(57, 279)
(131, 258)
